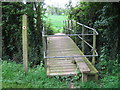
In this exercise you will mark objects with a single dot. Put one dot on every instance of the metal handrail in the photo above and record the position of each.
(94, 34)
(86, 26)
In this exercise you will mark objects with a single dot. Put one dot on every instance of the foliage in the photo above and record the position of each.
(12, 28)
(51, 10)
(105, 18)
(15, 77)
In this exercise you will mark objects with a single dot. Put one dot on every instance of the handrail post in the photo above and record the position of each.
(83, 48)
(44, 44)
(65, 27)
(44, 41)
(25, 42)
(68, 27)
(94, 46)
(75, 31)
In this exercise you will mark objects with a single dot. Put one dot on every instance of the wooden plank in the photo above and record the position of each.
(60, 61)
(25, 42)
(62, 74)
(62, 70)
(83, 67)
(57, 62)
(64, 67)
(84, 77)
(62, 46)
(60, 65)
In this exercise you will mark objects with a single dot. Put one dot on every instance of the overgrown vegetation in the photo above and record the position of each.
(14, 77)
(104, 17)
(12, 29)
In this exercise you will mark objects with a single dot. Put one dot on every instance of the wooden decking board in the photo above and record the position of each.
(58, 62)
(62, 74)
(65, 46)
(61, 65)
(62, 70)
(65, 67)
(83, 67)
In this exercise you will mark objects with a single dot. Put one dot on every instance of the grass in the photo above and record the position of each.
(13, 76)
(56, 22)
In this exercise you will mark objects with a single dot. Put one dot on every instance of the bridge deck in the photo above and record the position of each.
(64, 46)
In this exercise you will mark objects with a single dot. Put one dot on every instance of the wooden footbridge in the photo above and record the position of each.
(63, 57)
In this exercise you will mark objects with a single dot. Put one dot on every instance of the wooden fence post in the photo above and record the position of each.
(25, 42)
(94, 46)
(83, 39)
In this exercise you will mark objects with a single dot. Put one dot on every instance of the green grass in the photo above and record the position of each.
(13, 76)
(56, 22)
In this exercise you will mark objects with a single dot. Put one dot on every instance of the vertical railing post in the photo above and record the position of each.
(68, 27)
(65, 27)
(83, 48)
(75, 32)
(94, 46)
(44, 41)
(25, 42)
(44, 44)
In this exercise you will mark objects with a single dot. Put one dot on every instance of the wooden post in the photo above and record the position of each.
(25, 42)
(75, 32)
(44, 45)
(65, 27)
(94, 46)
(84, 77)
(68, 27)
(83, 39)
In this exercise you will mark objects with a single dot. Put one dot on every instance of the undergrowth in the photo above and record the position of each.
(13, 76)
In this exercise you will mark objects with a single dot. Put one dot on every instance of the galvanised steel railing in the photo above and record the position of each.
(70, 26)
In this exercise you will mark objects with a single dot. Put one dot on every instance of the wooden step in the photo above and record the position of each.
(63, 67)
(62, 74)
(62, 70)
(83, 67)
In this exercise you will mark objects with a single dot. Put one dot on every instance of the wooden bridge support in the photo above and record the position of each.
(87, 77)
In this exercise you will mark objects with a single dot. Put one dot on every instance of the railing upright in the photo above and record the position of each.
(83, 48)
(71, 25)
(94, 46)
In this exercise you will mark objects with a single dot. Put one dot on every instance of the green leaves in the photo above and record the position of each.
(14, 76)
